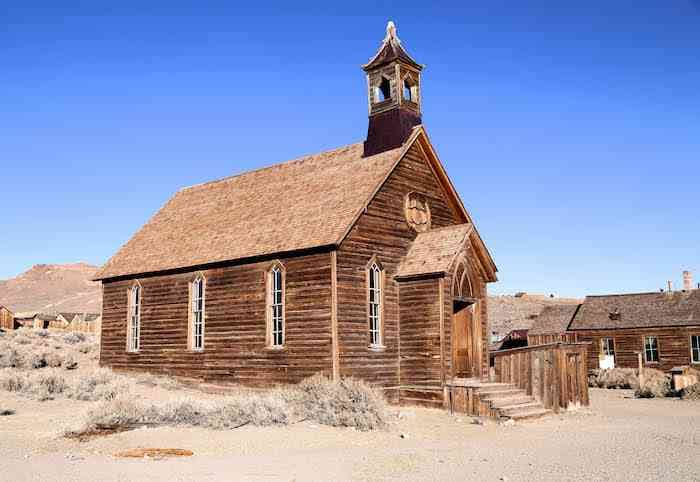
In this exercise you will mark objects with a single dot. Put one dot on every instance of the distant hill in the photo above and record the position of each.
(517, 312)
(52, 288)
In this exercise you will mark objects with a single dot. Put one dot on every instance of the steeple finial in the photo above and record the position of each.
(391, 31)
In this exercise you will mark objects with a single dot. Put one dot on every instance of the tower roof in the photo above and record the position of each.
(391, 50)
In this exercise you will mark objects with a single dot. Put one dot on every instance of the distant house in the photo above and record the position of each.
(7, 319)
(664, 327)
(553, 325)
(73, 321)
(34, 320)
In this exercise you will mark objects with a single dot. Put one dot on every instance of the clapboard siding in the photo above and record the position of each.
(235, 325)
(7, 319)
(382, 231)
(674, 345)
(420, 333)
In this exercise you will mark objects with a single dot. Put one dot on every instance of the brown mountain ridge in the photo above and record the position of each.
(52, 288)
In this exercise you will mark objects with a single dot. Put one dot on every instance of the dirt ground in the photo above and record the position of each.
(618, 438)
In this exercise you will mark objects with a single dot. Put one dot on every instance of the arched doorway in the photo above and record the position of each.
(466, 325)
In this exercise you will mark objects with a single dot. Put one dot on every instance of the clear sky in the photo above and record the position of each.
(571, 129)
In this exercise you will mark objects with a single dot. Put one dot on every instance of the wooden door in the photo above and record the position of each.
(462, 343)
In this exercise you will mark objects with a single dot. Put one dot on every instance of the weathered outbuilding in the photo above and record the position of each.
(7, 318)
(360, 261)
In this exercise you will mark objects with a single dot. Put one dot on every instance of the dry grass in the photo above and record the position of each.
(614, 378)
(656, 384)
(691, 392)
(30, 349)
(347, 403)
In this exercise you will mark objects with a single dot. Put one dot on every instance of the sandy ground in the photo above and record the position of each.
(618, 438)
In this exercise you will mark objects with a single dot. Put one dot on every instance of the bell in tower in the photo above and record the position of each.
(393, 81)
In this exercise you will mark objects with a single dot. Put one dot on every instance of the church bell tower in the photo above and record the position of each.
(394, 94)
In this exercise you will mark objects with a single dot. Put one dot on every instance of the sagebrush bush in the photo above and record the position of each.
(74, 338)
(614, 378)
(656, 384)
(691, 392)
(348, 403)
(13, 381)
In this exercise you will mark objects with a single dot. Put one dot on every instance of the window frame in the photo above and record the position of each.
(133, 318)
(604, 348)
(379, 92)
(378, 342)
(693, 350)
(652, 350)
(193, 310)
(272, 306)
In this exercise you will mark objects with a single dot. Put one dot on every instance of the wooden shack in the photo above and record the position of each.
(552, 325)
(360, 261)
(7, 319)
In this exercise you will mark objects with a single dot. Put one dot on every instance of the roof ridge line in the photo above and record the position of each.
(296, 160)
(630, 294)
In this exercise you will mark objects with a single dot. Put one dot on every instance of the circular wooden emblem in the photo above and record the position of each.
(417, 212)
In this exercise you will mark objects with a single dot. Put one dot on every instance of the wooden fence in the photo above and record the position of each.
(554, 374)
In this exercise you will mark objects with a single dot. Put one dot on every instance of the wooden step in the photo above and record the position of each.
(500, 403)
(528, 414)
(517, 408)
(500, 392)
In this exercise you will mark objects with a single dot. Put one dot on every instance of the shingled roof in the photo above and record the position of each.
(390, 50)
(553, 319)
(640, 310)
(301, 204)
(433, 251)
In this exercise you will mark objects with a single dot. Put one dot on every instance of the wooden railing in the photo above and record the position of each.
(554, 373)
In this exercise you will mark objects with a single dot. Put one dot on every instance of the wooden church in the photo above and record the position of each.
(361, 261)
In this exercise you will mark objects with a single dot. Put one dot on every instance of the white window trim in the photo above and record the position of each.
(694, 360)
(658, 351)
(276, 336)
(604, 348)
(133, 318)
(375, 316)
(194, 310)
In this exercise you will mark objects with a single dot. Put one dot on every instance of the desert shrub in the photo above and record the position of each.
(41, 333)
(9, 356)
(348, 403)
(36, 359)
(13, 381)
(45, 385)
(614, 378)
(100, 384)
(74, 338)
(656, 384)
(6, 411)
(69, 362)
(86, 348)
(691, 392)
(22, 339)
(54, 360)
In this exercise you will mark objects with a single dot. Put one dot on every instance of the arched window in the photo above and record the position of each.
(275, 306)
(383, 90)
(197, 299)
(374, 298)
(134, 319)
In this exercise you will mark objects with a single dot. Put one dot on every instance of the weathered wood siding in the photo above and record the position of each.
(7, 319)
(674, 345)
(421, 368)
(235, 324)
(554, 374)
(544, 338)
(382, 231)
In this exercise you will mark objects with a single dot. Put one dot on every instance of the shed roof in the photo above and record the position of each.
(553, 319)
(434, 251)
(638, 310)
(300, 204)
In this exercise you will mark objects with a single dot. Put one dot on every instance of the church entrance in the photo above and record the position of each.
(466, 327)
(465, 342)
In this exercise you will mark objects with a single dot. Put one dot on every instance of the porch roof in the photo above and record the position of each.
(434, 251)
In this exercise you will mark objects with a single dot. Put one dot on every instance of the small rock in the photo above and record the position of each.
(477, 421)
(313, 426)
(504, 478)
(404, 435)
(507, 423)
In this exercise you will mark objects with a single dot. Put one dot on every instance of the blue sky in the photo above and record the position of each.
(571, 129)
